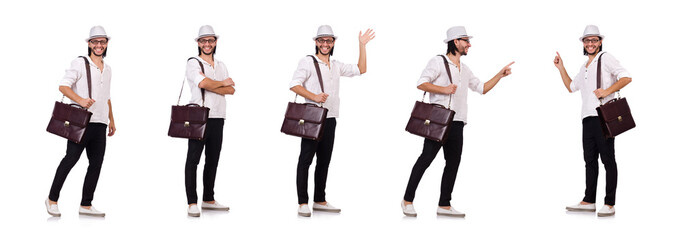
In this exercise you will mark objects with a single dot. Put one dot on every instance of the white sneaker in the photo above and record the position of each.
(582, 208)
(606, 211)
(408, 209)
(449, 212)
(303, 210)
(90, 212)
(52, 209)
(193, 211)
(214, 206)
(325, 208)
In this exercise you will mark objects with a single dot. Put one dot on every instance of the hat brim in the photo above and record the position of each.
(592, 35)
(210, 35)
(458, 37)
(319, 36)
(98, 36)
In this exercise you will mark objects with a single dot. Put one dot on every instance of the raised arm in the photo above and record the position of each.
(493, 81)
(562, 70)
(364, 39)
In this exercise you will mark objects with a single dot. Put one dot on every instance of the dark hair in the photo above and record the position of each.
(104, 54)
(214, 50)
(598, 50)
(452, 49)
(331, 52)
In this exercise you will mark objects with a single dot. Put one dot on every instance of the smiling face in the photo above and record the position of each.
(207, 45)
(325, 45)
(98, 46)
(591, 45)
(463, 45)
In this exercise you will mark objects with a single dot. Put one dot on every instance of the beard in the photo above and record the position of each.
(201, 50)
(463, 52)
(92, 51)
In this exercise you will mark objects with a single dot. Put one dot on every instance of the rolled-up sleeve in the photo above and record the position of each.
(350, 70)
(575, 86)
(475, 84)
(72, 74)
(193, 72)
(301, 74)
(614, 68)
(430, 73)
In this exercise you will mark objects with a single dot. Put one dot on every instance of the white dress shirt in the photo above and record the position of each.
(215, 102)
(77, 79)
(436, 74)
(306, 76)
(586, 81)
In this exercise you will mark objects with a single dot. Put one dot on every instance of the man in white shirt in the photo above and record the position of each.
(209, 82)
(305, 83)
(614, 77)
(435, 81)
(74, 86)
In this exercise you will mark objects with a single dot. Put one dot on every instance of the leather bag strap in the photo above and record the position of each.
(203, 91)
(87, 71)
(319, 75)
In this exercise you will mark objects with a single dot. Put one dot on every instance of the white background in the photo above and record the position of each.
(522, 161)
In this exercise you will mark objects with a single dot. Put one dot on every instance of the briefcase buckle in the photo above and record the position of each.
(66, 123)
(427, 122)
(620, 118)
(186, 124)
(301, 122)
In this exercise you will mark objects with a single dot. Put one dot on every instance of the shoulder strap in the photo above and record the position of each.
(447, 68)
(317, 68)
(203, 91)
(599, 71)
(87, 71)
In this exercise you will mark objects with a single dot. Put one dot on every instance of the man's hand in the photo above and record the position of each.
(506, 70)
(320, 98)
(450, 89)
(86, 102)
(601, 93)
(228, 82)
(366, 37)
(558, 63)
(112, 128)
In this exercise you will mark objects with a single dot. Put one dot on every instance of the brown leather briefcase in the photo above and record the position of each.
(71, 120)
(189, 121)
(305, 120)
(430, 120)
(614, 115)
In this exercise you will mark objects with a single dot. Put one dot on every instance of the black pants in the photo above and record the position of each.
(213, 142)
(595, 145)
(323, 150)
(94, 141)
(452, 150)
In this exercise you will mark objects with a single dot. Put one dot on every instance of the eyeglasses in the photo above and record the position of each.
(462, 39)
(328, 41)
(101, 42)
(203, 41)
(591, 40)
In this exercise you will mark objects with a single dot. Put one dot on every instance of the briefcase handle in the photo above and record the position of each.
(319, 76)
(447, 69)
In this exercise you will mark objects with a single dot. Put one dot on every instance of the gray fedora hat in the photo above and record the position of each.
(456, 32)
(206, 31)
(591, 30)
(324, 31)
(96, 32)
